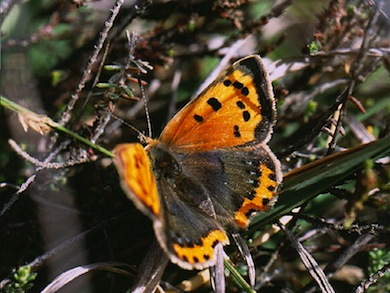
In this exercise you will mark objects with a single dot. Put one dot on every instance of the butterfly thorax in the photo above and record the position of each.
(164, 164)
(174, 180)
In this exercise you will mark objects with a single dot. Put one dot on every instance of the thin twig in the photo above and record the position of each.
(372, 229)
(265, 275)
(31, 179)
(372, 279)
(45, 164)
(15, 196)
(348, 254)
(92, 61)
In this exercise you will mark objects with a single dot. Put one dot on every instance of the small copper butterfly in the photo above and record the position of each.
(211, 168)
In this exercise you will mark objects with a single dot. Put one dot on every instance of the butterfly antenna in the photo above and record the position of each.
(142, 137)
(147, 114)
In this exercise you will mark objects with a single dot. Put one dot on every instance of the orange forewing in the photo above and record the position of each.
(137, 178)
(227, 113)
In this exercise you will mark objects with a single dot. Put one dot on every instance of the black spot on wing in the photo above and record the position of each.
(245, 91)
(238, 85)
(227, 82)
(246, 115)
(214, 243)
(272, 176)
(252, 194)
(236, 131)
(249, 213)
(265, 201)
(240, 105)
(214, 103)
(271, 188)
(198, 118)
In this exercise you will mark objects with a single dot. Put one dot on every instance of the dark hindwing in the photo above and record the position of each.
(241, 180)
(188, 228)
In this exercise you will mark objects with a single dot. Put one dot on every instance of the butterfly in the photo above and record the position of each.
(210, 170)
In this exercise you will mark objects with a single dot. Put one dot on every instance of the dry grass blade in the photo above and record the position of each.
(150, 272)
(68, 276)
(310, 263)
